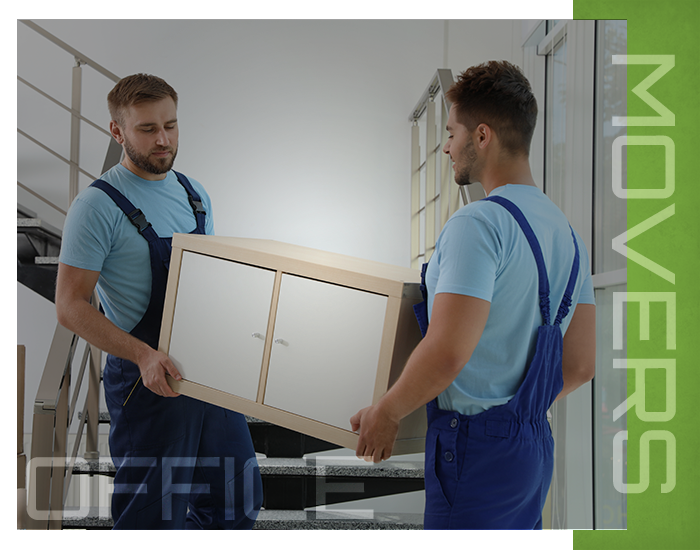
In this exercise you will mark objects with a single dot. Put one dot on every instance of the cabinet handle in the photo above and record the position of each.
(258, 336)
(280, 341)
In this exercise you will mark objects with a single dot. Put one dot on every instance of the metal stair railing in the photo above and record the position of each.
(51, 465)
(114, 149)
(39, 273)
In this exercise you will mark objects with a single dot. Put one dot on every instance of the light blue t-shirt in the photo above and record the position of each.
(483, 252)
(98, 236)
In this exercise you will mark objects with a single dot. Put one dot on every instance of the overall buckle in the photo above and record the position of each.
(138, 218)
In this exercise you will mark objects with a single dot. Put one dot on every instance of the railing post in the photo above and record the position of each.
(93, 397)
(93, 405)
(21, 457)
(60, 448)
(76, 94)
(39, 474)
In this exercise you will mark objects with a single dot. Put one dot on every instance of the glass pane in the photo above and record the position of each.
(551, 23)
(610, 211)
(556, 123)
(610, 390)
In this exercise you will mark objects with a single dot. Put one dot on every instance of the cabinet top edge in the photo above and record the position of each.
(231, 247)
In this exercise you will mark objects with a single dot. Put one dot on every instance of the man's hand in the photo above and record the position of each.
(74, 287)
(154, 365)
(377, 433)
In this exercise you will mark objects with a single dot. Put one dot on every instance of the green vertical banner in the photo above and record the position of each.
(661, 442)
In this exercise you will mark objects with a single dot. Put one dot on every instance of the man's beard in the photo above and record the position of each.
(152, 166)
(463, 175)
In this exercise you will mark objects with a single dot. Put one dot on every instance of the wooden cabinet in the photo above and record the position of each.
(295, 336)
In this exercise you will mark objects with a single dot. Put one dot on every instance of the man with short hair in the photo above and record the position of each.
(512, 323)
(181, 463)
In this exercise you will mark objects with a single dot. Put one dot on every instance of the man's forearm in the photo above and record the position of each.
(87, 322)
(573, 381)
(95, 328)
(428, 372)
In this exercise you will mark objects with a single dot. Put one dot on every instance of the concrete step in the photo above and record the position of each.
(301, 484)
(333, 520)
(297, 484)
(347, 467)
(291, 520)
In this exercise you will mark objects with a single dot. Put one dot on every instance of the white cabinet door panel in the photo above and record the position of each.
(327, 341)
(220, 305)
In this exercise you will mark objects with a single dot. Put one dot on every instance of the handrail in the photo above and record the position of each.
(75, 53)
(113, 151)
(54, 153)
(71, 111)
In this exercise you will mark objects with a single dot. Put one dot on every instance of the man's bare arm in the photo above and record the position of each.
(578, 358)
(456, 325)
(74, 287)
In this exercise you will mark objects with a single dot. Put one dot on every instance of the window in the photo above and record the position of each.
(555, 150)
(610, 275)
(568, 47)
(584, 90)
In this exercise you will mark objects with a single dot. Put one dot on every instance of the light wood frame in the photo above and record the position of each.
(400, 333)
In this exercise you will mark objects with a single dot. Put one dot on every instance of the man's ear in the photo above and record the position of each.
(116, 132)
(484, 135)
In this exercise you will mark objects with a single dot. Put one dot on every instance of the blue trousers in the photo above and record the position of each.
(181, 463)
(485, 473)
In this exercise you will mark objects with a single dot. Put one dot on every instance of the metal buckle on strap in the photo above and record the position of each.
(197, 207)
(138, 218)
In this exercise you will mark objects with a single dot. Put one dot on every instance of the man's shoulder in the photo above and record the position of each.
(483, 211)
(196, 185)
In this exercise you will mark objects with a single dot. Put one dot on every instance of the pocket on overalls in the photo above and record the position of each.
(440, 471)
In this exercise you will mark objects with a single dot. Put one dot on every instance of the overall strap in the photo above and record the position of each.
(195, 201)
(421, 309)
(568, 293)
(137, 217)
(566, 300)
(536, 250)
(133, 214)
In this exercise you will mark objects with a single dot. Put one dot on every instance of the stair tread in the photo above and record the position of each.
(340, 466)
(328, 519)
(325, 466)
(39, 226)
(289, 519)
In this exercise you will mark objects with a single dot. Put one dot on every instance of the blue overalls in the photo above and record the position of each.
(173, 454)
(492, 470)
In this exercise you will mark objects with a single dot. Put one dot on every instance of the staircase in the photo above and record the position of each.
(293, 485)
(38, 246)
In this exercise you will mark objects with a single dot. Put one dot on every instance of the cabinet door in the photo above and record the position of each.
(326, 350)
(221, 314)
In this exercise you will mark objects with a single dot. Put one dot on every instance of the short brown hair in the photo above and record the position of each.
(497, 93)
(134, 89)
